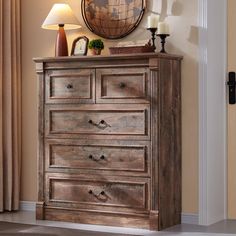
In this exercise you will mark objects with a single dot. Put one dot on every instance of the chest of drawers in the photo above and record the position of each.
(110, 140)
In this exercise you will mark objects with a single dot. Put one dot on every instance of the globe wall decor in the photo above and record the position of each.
(112, 19)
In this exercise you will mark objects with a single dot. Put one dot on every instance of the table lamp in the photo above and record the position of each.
(61, 18)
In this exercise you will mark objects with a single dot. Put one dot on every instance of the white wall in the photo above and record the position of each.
(37, 42)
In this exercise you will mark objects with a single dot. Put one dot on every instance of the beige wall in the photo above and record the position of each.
(37, 42)
(231, 113)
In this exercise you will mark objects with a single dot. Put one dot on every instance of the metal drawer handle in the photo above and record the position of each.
(69, 86)
(98, 194)
(122, 85)
(96, 159)
(101, 125)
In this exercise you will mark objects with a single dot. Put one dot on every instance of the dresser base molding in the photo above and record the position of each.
(40, 210)
(186, 218)
(100, 218)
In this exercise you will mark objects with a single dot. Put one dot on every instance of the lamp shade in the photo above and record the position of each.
(61, 14)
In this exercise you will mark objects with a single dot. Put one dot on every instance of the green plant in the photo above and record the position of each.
(96, 43)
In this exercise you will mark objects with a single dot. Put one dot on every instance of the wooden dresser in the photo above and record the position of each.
(110, 140)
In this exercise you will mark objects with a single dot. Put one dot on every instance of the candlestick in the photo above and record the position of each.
(153, 32)
(163, 41)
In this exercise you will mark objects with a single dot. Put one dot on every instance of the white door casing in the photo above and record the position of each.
(212, 111)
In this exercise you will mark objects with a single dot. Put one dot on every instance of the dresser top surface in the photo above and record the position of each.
(108, 57)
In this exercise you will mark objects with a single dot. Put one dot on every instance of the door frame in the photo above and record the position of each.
(212, 111)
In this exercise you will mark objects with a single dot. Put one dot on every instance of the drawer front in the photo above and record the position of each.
(70, 86)
(124, 156)
(123, 85)
(109, 121)
(111, 191)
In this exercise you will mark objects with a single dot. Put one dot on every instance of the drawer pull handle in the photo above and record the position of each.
(97, 159)
(122, 85)
(101, 125)
(98, 194)
(69, 86)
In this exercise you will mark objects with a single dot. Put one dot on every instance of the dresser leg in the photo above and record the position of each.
(40, 211)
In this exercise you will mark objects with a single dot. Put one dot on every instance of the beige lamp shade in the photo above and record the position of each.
(61, 14)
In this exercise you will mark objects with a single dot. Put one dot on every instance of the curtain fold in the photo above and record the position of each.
(10, 105)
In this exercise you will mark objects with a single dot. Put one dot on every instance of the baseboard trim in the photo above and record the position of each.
(186, 218)
(27, 206)
(192, 219)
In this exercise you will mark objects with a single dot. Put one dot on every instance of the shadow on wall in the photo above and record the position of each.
(169, 8)
(166, 8)
(193, 34)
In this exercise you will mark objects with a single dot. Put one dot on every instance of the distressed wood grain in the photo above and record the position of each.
(110, 140)
(123, 85)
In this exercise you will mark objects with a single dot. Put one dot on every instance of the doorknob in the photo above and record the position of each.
(232, 84)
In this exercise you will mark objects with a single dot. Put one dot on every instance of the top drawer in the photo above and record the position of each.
(122, 85)
(70, 86)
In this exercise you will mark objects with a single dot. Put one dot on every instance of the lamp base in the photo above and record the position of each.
(61, 48)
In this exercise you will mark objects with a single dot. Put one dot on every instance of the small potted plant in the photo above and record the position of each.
(96, 45)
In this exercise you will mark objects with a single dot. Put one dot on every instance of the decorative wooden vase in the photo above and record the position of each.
(96, 51)
(61, 48)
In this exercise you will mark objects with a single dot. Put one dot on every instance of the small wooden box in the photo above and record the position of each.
(131, 49)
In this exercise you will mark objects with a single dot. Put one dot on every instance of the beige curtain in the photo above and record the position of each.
(10, 105)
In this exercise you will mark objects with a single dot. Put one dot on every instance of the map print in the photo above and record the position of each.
(113, 18)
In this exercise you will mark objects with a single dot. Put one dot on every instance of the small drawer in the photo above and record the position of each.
(104, 121)
(97, 191)
(123, 85)
(70, 86)
(122, 157)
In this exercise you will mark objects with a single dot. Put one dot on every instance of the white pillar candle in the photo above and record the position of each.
(163, 28)
(153, 21)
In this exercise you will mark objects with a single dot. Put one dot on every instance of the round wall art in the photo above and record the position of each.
(112, 19)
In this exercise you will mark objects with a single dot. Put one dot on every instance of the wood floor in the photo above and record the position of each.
(16, 229)
(226, 228)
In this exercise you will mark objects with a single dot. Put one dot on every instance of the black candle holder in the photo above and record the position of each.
(163, 41)
(153, 32)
